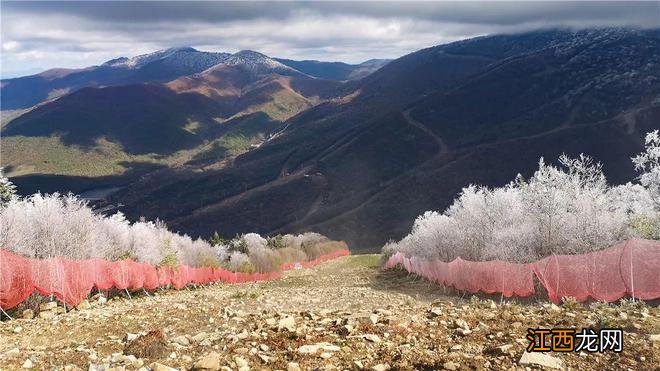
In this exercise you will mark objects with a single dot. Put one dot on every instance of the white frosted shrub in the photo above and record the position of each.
(632, 198)
(291, 255)
(236, 260)
(42, 226)
(264, 259)
(255, 241)
(149, 243)
(294, 241)
(648, 164)
(117, 238)
(567, 210)
(311, 238)
(199, 253)
(48, 226)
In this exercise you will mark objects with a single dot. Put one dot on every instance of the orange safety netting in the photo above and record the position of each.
(629, 268)
(71, 281)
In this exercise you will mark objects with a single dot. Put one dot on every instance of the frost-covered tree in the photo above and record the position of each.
(566, 209)
(46, 226)
(239, 261)
(254, 241)
(43, 226)
(648, 164)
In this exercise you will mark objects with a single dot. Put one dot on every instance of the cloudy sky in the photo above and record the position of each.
(41, 35)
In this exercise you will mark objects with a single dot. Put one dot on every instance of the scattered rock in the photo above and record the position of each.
(292, 366)
(47, 314)
(12, 353)
(541, 359)
(240, 362)
(313, 348)
(381, 367)
(345, 330)
(264, 358)
(372, 338)
(654, 337)
(28, 363)
(84, 305)
(200, 337)
(151, 345)
(459, 323)
(181, 340)
(44, 307)
(27, 314)
(435, 312)
(308, 349)
(288, 323)
(210, 361)
(451, 366)
(463, 332)
(160, 367)
(501, 350)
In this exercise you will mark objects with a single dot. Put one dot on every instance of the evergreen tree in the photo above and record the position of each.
(7, 190)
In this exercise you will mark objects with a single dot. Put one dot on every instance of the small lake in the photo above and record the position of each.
(99, 193)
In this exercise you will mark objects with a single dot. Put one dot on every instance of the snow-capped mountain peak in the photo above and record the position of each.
(180, 56)
(257, 63)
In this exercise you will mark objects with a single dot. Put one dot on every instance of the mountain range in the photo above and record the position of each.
(160, 66)
(253, 143)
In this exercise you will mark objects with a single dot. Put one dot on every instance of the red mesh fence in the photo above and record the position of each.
(630, 268)
(320, 259)
(71, 281)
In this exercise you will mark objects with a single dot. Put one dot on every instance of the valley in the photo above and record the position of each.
(277, 146)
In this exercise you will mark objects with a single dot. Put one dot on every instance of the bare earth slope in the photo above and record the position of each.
(365, 317)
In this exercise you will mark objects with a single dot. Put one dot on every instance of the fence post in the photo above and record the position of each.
(632, 279)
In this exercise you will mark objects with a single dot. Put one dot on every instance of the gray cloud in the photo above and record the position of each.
(39, 35)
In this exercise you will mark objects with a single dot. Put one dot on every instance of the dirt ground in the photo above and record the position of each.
(343, 314)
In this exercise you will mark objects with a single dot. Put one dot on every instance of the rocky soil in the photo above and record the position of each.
(343, 314)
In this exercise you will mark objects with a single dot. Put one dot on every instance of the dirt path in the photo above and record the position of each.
(360, 316)
(443, 147)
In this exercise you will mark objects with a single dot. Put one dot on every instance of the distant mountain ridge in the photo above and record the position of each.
(181, 56)
(200, 119)
(161, 66)
(335, 70)
(157, 67)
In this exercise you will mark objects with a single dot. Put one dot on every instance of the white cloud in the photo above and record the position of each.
(10, 46)
(40, 35)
